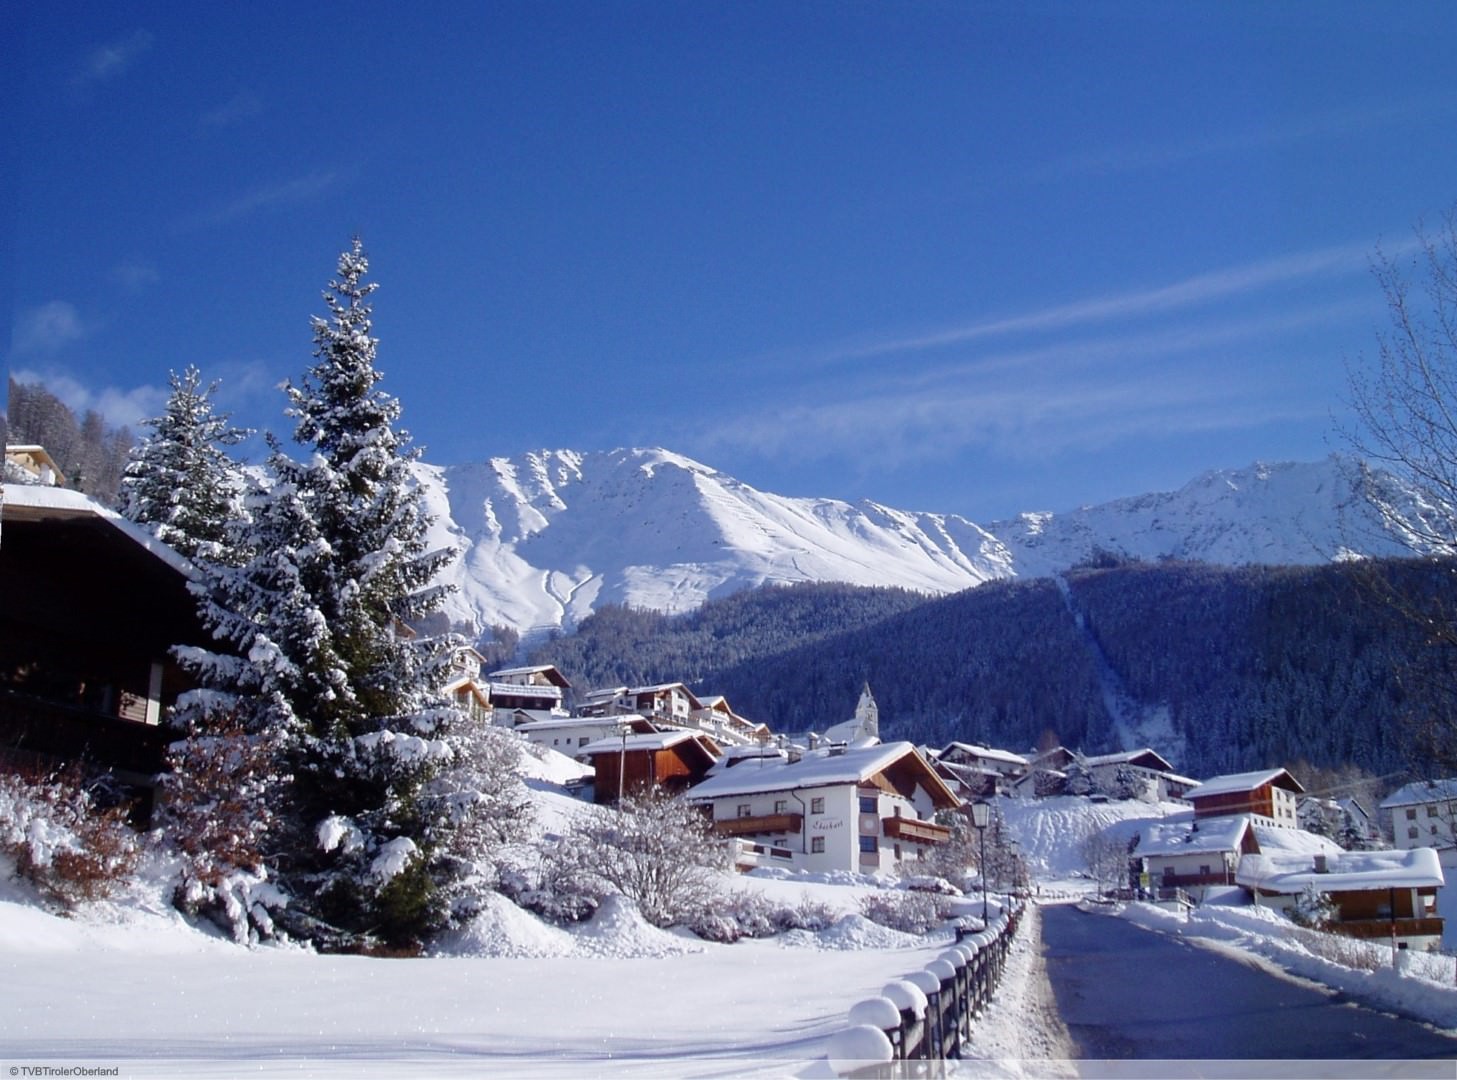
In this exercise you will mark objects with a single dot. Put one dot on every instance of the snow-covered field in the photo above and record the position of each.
(129, 985)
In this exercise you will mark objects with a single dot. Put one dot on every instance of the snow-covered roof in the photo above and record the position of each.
(1423, 791)
(652, 740)
(1232, 783)
(1182, 838)
(535, 669)
(817, 768)
(579, 722)
(987, 752)
(510, 689)
(1125, 757)
(1346, 871)
(1278, 839)
(39, 502)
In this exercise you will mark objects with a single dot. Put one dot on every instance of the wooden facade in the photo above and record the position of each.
(90, 613)
(673, 767)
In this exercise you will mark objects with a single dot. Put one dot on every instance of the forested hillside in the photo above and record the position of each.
(89, 451)
(623, 646)
(1256, 665)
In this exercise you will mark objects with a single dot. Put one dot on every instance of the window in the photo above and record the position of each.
(582, 741)
(817, 845)
(1204, 869)
(781, 806)
(745, 810)
(1411, 813)
(867, 804)
(867, 843)
(1411, 832)
(817, 805)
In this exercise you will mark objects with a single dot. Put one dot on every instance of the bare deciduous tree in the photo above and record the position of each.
(1405, 403)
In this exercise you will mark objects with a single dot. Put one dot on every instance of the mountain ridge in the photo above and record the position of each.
(548, 536)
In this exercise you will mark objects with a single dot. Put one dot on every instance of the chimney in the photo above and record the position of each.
(1320, 865)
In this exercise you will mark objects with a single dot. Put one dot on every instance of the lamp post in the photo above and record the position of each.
(981, 816)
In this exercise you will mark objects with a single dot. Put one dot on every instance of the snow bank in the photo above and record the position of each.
(619, 930)
(853, 932)
(1424, 990)
(503, 929)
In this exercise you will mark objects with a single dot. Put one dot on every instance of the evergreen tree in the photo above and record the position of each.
(316, 613)
(179, 481)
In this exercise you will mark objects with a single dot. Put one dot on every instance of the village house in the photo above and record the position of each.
(464, 686)
(1003, 763)
(35, 462)
(525, 695)
(1376, 894)
(1270, 795)
(1189, 855)
(672, 760)
(863, 809)
(716, 717)
(1422, 815)
(91, 606)
(571, 735)
(1143, 769)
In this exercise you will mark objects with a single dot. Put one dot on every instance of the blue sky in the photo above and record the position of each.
(968, 257)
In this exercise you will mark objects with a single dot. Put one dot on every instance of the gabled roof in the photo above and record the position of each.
(652, 740)
(822, 768)
(1346, 871)
(1233, 783)
(555, 677)
(1423, 791)
(1144, 756)
(27, 502)
(1182, 838)
(985, 752)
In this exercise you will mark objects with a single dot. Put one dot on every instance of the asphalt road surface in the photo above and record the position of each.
(1128, 993)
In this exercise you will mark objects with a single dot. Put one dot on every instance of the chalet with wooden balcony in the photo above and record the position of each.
(718, 719)
(1376, 894)
(841, 808)
(672, 760)
(90, 608)
(1271, 795)
(526, 695)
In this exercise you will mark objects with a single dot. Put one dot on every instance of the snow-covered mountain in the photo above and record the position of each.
(546, 537)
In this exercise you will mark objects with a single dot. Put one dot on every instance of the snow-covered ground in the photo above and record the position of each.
(129, 984)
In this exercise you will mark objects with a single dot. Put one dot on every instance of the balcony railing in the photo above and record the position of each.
(919, 832)
(1381, 928)
(759, 823)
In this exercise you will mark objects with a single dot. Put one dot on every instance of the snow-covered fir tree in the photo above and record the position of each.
(322, 658)
(179, 480)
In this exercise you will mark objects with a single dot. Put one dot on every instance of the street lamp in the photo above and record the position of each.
(981, 816)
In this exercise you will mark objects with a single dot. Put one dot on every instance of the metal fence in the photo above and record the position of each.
(923, 1020)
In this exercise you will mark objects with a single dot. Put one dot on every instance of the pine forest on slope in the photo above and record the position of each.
(1239, 667)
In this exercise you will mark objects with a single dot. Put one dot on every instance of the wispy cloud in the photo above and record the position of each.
(1187, 293)
(1277, 132)
(266, 197)
(244, 105)
(47, 329)
(115, 58)
(134, 275)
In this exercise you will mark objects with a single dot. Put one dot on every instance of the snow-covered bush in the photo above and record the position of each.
(753, 915)
(653, 848)
(54, 837)
(217, 810)
(909, 912)
(1313, 908)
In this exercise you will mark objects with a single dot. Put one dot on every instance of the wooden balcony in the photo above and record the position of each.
(758, 824)
(1381, 928)
(917, 832)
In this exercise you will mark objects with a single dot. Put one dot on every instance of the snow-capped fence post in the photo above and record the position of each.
(926, 1017)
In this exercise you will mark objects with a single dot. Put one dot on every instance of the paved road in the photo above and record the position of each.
(1129, 993)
